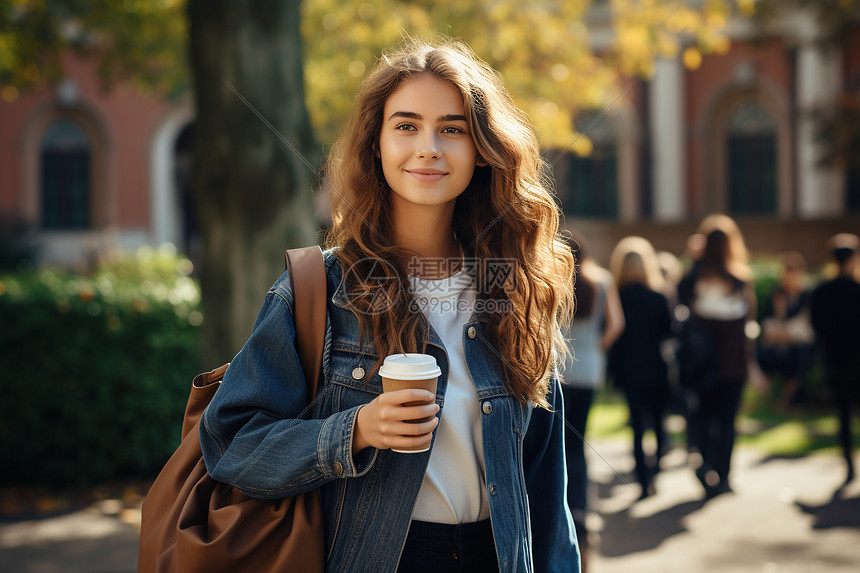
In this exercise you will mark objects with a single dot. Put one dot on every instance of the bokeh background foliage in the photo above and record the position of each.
(542, 50)
(95, 369)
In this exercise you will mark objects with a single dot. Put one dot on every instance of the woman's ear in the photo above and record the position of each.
(481, 162)
(376, 150)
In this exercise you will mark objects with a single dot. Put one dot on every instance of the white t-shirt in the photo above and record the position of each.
(454, 489)
(718, 300)
(586, 367)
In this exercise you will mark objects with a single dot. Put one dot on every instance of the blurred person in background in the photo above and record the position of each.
(836, 319)
(787, 337)
(636, 361)
(719, 295)
(597, 323)
(695, 246)
(672, 270)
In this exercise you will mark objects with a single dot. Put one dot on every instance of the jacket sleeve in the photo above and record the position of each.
(255, 433)
(664, 318)
(685, 288)
(554, 543)
(815, 312)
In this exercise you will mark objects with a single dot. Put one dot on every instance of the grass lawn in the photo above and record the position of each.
(791, 433)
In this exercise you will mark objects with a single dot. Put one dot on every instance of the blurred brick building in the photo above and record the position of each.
(738, 134)
(89, 170)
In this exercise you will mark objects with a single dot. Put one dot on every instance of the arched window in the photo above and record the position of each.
(852, 175)
(65, 169)
(590, 186)
(751, 152)
(841, 132)
(182, 168)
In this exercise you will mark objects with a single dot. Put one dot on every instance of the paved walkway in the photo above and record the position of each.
(782, 518)
(99, 539)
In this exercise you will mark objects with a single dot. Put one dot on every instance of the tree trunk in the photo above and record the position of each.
(253, 192)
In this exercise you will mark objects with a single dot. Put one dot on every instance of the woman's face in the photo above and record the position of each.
(428, 155)
(792, 279)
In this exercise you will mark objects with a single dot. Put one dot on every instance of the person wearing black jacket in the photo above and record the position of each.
(836, 320)
(718, 292)
(635, 360)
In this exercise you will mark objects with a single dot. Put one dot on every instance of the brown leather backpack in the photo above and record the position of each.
(191, 523)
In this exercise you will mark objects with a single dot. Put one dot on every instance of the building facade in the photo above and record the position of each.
(740, 134)
(88, 170)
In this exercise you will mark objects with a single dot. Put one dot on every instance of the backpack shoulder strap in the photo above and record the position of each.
(307, 275)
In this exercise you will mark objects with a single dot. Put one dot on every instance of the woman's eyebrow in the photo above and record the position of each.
(417, 116)
(406, 114)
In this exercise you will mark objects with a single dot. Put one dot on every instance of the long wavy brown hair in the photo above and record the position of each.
(506, 215)
(734, 258)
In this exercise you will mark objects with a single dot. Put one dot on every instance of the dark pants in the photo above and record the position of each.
(715, 433)
(790, 362)
(647, 407)
(577, 403)
(443, 548)
(846, 395)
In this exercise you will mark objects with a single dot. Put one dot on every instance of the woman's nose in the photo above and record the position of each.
(428, 148)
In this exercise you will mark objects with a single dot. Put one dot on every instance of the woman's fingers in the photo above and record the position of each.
(409, 404)
(408, 396)
(399, 419)
(417, 427)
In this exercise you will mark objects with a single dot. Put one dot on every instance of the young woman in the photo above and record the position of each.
(444, 242)
(719, 293)
(598, 322)
(636, 359)
(835, 309)
(787, 339)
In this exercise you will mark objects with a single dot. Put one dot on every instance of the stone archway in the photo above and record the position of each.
(713, 192)
(166, 213)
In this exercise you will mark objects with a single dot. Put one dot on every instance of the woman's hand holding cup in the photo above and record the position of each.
(403, 417)
(392, 421)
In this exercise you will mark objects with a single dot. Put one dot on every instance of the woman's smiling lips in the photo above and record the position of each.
(427, 175)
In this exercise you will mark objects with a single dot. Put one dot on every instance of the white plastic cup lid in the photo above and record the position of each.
(410, 366)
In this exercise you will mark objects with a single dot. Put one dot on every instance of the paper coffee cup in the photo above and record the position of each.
(411, 370)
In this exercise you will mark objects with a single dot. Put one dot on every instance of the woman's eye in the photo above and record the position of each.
(453, 129)
(405, 127)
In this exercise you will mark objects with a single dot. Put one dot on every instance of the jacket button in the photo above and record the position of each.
(472, 332)
(487, 407)
(358, 373)
(338, 468)
(492, 490)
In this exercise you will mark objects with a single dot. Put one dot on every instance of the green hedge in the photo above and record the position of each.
(95, 370)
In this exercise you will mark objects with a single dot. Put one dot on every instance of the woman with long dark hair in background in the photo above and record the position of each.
(718, 291)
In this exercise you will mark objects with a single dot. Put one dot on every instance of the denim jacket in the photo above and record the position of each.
(257, 436)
